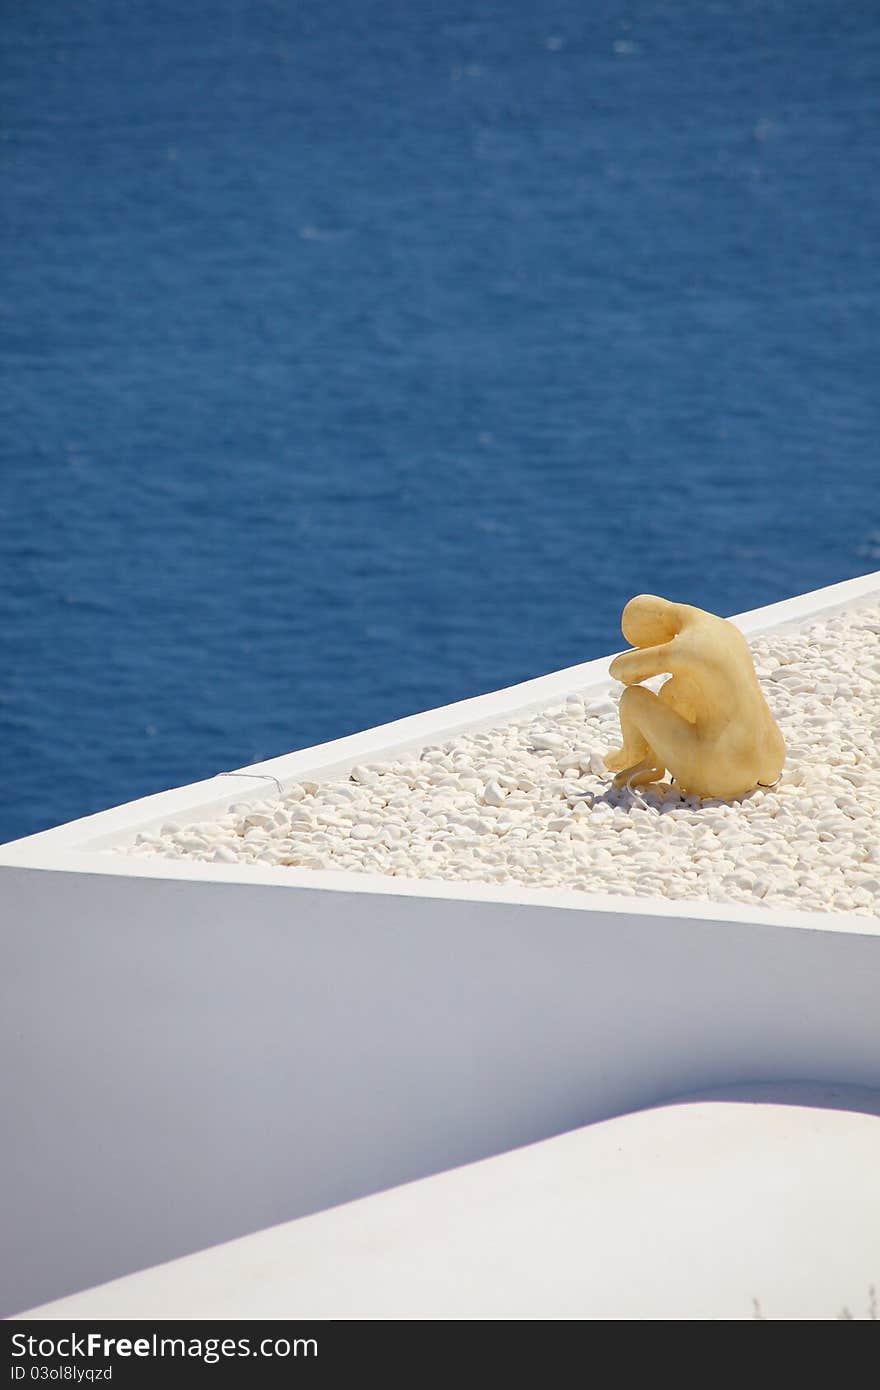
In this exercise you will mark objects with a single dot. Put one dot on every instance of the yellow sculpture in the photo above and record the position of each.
(710, 724)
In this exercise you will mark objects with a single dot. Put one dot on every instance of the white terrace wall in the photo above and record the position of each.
(187, 1062)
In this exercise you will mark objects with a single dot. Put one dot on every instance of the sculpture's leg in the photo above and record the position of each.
(635, 747)
(641, 775)
(653, 734)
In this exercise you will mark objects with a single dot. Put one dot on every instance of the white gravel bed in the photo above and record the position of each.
(530, 802)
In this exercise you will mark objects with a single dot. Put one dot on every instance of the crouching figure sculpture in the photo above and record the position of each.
(709, 725)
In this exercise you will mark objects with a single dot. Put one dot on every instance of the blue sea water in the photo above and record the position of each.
(363, 356)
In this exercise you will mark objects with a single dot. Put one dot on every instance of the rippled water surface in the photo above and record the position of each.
(361, 357)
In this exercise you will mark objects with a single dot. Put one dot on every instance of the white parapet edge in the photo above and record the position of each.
(82, 846)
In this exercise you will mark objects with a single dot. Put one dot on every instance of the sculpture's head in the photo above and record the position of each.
(648, 620)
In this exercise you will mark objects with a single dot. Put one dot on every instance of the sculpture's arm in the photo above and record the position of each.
(643, 662)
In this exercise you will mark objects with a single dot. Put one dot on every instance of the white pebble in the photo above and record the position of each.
(601, 706)
(363, 832)
(547, 742)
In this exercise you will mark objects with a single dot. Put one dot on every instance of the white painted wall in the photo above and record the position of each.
(184, 1063)
(194, 1051)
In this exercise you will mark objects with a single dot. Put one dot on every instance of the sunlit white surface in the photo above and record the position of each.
(696, 1210)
